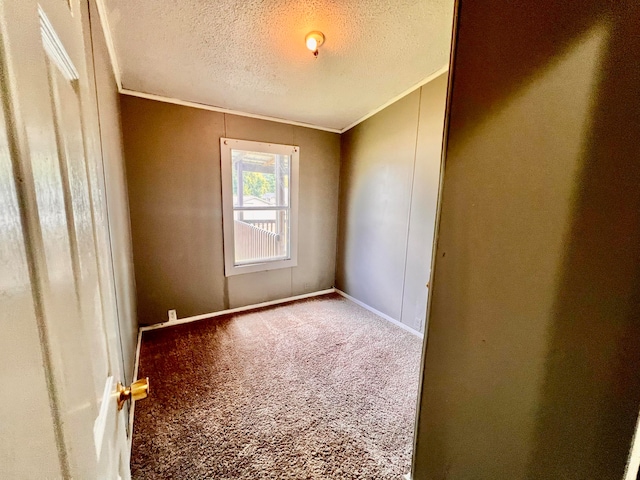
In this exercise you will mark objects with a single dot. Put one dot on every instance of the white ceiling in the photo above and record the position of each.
(250, 55)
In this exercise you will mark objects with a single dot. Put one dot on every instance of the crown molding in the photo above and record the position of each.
(433, 76)
(202, 106)
(104, 21)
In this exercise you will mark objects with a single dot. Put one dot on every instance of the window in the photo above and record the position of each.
(259, 204)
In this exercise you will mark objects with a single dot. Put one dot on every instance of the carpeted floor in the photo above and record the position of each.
(315, 389)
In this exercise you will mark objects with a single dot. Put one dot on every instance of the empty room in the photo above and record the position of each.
(329, 206)
(319, 240)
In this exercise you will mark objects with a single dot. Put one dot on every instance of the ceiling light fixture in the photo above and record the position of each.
(314, 40)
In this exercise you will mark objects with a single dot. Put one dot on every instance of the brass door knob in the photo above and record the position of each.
(138, 390)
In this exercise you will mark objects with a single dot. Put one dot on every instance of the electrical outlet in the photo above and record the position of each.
(306, 286)
(173, 316)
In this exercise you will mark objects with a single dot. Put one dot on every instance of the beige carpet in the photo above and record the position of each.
(314, 389)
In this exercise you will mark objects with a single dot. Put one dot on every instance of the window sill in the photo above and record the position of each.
(259, 267)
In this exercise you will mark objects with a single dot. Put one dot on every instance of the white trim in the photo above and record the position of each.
(108, 38)
(431, 77)
(380, 314)
(202, 106)
(228, 224)
(407, 476)
(631, 471)
(204, 316)
(132, 409)
(55, 49)
(102, 12)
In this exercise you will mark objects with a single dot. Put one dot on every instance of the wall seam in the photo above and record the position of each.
(338, 212)
(413, 180)
(225, 288)
(293, 142)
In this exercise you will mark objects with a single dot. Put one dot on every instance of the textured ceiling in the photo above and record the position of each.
(250, 55)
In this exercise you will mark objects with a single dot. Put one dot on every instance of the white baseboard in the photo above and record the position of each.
(380, 314)
(195, 318)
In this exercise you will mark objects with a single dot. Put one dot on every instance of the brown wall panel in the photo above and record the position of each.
(424, 200)
(531, 366)
(388, 193)
(376, 179)
(173, 168)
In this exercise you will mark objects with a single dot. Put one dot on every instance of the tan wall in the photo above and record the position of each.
(388, 193)
(116, 191)
(531, 367)
(173, 172)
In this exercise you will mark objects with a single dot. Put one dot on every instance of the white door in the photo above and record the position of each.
(60, 351)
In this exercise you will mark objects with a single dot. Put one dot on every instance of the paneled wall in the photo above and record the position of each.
(531, 367)
(388, 193)
(173, 173)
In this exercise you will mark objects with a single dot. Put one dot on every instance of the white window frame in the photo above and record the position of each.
(226, 145)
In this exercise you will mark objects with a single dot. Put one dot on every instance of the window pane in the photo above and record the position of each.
(260, 179)
(261, 235)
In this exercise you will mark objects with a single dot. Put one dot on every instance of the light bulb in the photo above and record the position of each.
(314, 40)
(312, 44)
